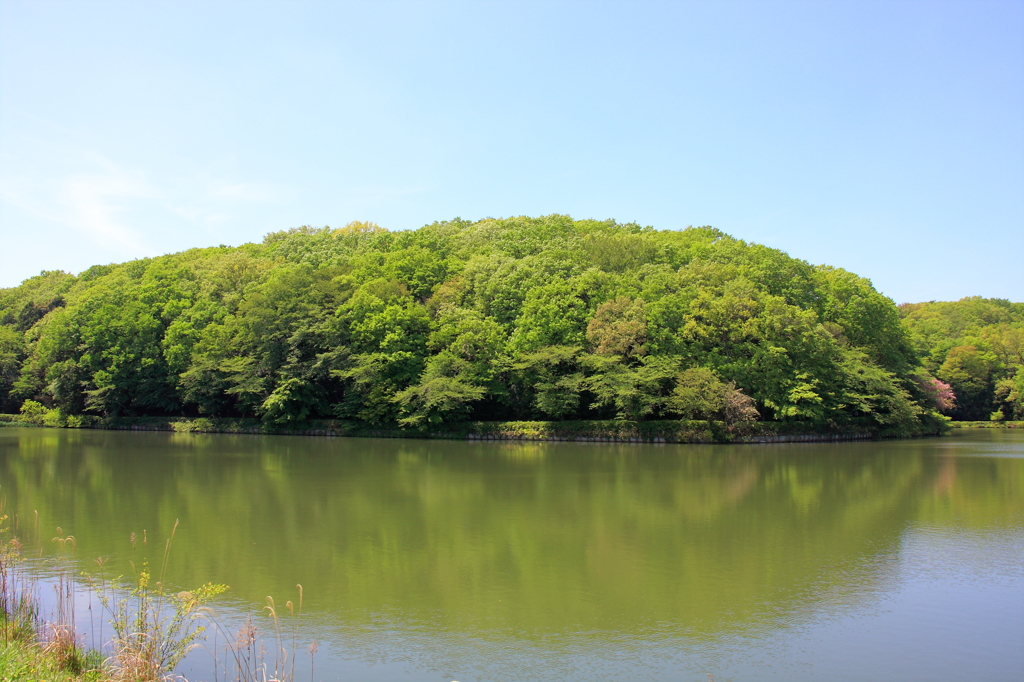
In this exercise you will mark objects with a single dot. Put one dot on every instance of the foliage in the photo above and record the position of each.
(153, 629)
(38, 414)
(619, 327)
(512, 319)
(975, 347)
(700, 394)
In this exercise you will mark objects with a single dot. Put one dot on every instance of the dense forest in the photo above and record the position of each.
(524, 318)
(976, 345)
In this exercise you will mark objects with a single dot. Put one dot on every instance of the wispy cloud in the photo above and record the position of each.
(121, 205)
(122, 209)
(91, 203)
(94, 204)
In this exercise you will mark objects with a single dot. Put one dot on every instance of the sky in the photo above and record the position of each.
(884, 138)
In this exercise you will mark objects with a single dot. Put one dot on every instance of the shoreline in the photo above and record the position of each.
(988, 425)
(610, 431)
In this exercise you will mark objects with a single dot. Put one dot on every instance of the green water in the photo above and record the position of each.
(425, 560)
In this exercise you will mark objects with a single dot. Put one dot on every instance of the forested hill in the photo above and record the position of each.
(525, 318)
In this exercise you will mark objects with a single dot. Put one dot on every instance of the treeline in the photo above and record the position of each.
(976, 345)
(518, 319)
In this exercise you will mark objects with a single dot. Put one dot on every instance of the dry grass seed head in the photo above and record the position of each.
(61, 644)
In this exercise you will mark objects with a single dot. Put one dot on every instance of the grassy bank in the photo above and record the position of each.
(987, 425)
(36, 661)
(31, 646)
(613, 431)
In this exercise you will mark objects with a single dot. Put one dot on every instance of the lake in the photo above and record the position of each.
(442, 560)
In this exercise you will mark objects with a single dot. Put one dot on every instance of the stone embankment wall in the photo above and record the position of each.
(625, 432)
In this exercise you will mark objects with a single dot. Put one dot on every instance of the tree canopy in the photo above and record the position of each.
(522, 318)
(976, 345)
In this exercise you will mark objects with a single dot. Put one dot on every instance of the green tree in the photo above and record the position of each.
(699, 393)
(969, 371)
(12, 355)
(619, 327)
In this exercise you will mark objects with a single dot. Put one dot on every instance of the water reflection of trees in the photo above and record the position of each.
(528, 538)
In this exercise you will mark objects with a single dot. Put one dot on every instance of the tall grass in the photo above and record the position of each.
(19, 605)
(246, 657)
(55, 640)
(153, 628)
(60, 635)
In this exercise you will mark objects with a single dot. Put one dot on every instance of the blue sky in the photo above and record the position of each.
(885, 138)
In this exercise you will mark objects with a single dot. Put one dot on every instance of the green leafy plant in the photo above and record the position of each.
(153, 628)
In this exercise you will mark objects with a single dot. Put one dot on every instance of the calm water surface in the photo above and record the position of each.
(442, 561)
